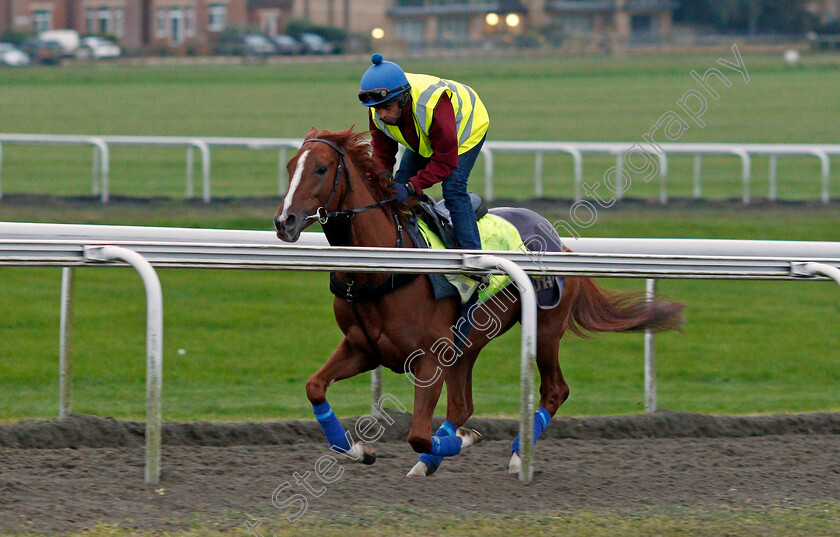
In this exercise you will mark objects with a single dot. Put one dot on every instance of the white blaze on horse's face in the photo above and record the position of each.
(289, 221)
(294, 185)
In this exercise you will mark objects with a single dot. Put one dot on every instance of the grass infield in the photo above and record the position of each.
(240, 345)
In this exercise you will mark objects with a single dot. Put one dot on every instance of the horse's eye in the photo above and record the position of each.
(321, 169)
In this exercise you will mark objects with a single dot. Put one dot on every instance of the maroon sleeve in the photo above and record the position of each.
(384, 148)
(443, 137)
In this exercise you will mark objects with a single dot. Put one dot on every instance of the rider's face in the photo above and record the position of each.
(390, 112)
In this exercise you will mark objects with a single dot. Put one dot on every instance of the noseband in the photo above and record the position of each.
(321, 214)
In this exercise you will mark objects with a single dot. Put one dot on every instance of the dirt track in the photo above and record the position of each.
(62, 476)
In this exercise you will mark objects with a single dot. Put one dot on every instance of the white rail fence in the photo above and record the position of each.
(71, 246)
(623, 153)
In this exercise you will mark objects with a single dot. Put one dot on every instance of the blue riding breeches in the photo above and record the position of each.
(455, 195)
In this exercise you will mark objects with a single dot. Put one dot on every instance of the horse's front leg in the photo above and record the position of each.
(345, 362)
(450, 438)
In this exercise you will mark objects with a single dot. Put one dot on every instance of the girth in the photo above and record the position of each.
(352, 292)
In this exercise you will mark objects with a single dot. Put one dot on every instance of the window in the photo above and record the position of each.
(89, 20)
(176, 22)
(453, 29)
(119, 22)
(413, 31)
(644, 25)
(103, 16)
(576, 25)
(161, 23)
(218, 17)
(189, 21)
(42, 20)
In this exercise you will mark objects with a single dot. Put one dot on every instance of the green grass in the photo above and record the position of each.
(386, 521)
(548, 98)
(251, 339)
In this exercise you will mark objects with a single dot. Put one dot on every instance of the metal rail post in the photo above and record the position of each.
(204, 149)
(154, 346)
(101, 165)
(65, 344)
(282, 185)
(698, 189)
(190, 164)
(528, 298)
(771, 179)
(577, 160)
(663, 175)
(650, 355)
(619, 172)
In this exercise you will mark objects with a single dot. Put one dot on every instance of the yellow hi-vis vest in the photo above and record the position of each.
(471, 118)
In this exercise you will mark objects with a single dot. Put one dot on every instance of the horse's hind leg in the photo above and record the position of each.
(459, 407)
(553, 387)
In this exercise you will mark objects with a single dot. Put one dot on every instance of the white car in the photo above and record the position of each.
(97, 48)
(315, 44)
(11, 55)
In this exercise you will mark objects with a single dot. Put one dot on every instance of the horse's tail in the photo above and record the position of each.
(597, 310)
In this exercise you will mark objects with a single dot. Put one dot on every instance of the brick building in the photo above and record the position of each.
(419, 24)
(393, 24)
(136, 24)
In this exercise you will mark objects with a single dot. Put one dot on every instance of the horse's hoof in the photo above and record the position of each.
(362, 452)
(420, 470)
(369, 454)
(515, 464)
(469, 437)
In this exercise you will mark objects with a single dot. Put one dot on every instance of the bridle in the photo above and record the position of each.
(321, 213)
(349, 290)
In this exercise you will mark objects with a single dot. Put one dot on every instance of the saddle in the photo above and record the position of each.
(436, 216)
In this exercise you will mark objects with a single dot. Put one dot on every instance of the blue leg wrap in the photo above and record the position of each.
(541, 420)
(446, 446)
(433, 461)
(333, 430)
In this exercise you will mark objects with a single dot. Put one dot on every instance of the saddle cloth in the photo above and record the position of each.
(502, 232)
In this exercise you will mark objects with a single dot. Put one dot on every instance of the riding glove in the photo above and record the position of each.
(403, 191)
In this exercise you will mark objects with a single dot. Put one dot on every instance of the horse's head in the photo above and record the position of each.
(314, 184)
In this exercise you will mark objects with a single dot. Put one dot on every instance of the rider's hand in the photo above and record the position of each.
(403, 191)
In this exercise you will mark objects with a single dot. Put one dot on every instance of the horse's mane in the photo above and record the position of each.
(358, 149)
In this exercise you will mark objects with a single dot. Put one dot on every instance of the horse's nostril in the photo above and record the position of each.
(290, 222)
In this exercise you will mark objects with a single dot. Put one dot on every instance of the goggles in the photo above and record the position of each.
(380, 95)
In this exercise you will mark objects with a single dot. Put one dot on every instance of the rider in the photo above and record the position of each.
(442, 136)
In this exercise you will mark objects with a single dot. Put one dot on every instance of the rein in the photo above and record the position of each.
(321, 214)
(350, 291)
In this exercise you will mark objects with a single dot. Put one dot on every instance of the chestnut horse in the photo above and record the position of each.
(334, 179)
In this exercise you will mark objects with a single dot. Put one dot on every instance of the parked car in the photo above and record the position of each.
(97, 48)
(257, 45)
(245, 45)
(287, 45)
(67, 39)
(315, 44)
(40, 51)
(13, 56)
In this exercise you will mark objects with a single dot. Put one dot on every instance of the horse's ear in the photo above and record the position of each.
(313, 132)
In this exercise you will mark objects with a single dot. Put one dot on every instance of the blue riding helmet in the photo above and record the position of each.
(382, 82)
